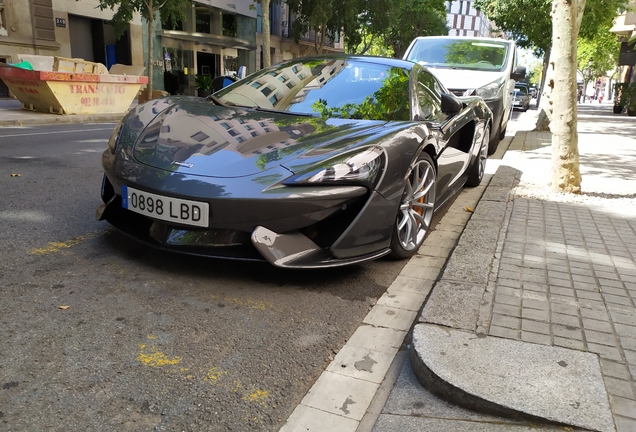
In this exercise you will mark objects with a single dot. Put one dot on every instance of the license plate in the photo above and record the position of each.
(164, 208)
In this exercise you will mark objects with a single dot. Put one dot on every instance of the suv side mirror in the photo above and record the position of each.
(450, 104)
(519, 73)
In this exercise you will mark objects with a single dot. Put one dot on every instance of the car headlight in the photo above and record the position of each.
(490, 91)
(361, 167)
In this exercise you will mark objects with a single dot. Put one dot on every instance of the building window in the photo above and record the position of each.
(254, 134)
(229, 25)
(203, 21)
(200, 136)
(232, 132)
(275, 98)
(225, 125)
(267, 90)
(257, 84)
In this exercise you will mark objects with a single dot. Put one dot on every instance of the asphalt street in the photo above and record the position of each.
(98, 332)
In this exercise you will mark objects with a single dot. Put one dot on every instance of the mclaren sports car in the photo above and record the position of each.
(313, 162)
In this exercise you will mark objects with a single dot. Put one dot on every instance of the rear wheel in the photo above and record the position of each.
(478, 168)
(414, 216)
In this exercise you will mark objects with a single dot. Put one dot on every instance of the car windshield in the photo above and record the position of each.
(326, 87)
(521, 90)
(460, 53)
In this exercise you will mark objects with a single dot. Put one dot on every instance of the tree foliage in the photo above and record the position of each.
(389, 102)
(536, 33)
(367, 25)
(413, 18)
(170, 11)
(596, 57)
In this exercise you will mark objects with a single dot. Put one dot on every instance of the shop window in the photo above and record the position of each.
(229, 25)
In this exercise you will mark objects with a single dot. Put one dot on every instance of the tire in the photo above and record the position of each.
(502, 133)
(478, 167)
(494, 143)
(413, 220)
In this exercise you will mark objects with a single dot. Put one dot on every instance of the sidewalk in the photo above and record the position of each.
(534, 314)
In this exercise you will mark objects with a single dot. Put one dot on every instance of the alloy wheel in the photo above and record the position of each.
(418, 204)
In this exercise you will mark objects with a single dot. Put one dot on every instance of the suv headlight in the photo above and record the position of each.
(361, 167)
(490, 91)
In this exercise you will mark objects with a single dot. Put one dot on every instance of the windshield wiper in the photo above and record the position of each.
(257, 108)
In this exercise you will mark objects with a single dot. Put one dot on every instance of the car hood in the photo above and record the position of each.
(462, 79)
(194, 136)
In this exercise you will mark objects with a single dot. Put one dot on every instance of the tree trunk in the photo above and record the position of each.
(267, 60)
(151, 31)
(545, 105)
(544, 71)
(566, 176)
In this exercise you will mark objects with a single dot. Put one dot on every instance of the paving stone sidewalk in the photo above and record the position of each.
(563, 275)
(567, 271)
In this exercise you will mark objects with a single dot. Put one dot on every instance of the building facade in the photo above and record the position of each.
(464, 20)
(216, 38)
(625, 29)
(65, 28)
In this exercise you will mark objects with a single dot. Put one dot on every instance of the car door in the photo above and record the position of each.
(453, 151)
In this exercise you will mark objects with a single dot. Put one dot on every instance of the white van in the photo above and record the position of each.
(469, 66)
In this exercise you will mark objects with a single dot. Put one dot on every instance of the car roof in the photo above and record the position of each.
(476, 38)
(389, 61)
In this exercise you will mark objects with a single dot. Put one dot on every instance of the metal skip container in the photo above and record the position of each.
(71, 92)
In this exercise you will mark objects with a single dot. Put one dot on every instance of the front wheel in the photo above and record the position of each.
(478, 168)
(415, 214)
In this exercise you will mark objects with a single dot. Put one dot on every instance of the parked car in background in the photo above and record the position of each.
(314, 162)
(521, 97)
(468, 66)
(533, 92)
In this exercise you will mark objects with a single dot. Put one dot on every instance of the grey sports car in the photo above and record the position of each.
(314, 162)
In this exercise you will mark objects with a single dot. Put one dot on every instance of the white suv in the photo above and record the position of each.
(469, 66)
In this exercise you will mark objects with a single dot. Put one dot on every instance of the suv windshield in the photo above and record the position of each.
(326, 87)
(460, 53)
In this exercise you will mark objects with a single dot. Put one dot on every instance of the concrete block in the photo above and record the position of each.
(512, 378)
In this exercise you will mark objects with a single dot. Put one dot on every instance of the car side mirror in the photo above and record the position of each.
(450, 104)
(519, 73)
